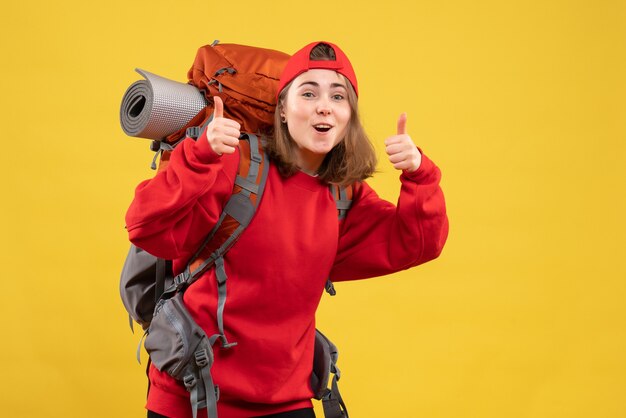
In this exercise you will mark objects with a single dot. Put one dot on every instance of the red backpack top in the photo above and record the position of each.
(244, 77)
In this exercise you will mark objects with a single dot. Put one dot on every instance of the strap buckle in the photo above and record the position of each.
(202, 357)
(193, 132)
(180, 280)
(190, 381)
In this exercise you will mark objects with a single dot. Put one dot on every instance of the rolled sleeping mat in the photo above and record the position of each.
(156, 107)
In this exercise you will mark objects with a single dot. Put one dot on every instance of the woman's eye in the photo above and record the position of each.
(338, 97)
(307, 94)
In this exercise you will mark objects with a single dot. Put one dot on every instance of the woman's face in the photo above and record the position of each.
(317, 112)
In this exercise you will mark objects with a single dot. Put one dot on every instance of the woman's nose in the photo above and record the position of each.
(323, 107)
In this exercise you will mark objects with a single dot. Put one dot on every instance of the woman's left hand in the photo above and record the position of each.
(403, 153)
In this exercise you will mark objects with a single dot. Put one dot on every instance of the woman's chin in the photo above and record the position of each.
(317, 151)
(322, 148)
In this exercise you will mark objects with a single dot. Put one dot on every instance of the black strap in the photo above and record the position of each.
(163, 274)
(333, 404)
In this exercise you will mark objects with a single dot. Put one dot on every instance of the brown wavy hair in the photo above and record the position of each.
(351, 160)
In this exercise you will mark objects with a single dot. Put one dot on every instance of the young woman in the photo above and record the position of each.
(279, 267)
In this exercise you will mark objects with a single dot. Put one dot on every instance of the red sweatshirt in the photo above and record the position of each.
(278, 268)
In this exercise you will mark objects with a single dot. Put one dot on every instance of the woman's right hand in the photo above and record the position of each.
(222, 133)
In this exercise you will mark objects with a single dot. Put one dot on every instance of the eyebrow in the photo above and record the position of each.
(315, 84)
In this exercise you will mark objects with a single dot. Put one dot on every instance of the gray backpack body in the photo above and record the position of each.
(153, 297)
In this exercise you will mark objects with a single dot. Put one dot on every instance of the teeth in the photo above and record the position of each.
(322, 126)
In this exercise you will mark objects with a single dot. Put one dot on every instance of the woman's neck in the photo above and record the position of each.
(308, 172)
(309, 162)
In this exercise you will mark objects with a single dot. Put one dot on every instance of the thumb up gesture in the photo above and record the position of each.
(402, 152)
(222, 133)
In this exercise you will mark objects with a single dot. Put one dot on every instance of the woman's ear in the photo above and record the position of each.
(280, 108)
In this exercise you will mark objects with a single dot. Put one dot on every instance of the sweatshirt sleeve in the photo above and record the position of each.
(379, 238)
(173, 212)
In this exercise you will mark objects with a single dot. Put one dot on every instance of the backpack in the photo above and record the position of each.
(244, 77)
(154, 298)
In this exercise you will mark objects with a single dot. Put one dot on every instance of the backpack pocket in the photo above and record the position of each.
(174, 337)
(179, 347)
(324, 363)
(138, 286)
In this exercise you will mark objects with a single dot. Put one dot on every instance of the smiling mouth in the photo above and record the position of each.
(322, 127)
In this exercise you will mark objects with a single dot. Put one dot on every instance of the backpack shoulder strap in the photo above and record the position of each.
(343, 200)
(235, 217)
(240, 208)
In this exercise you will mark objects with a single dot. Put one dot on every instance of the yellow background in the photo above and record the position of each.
(520, 103)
